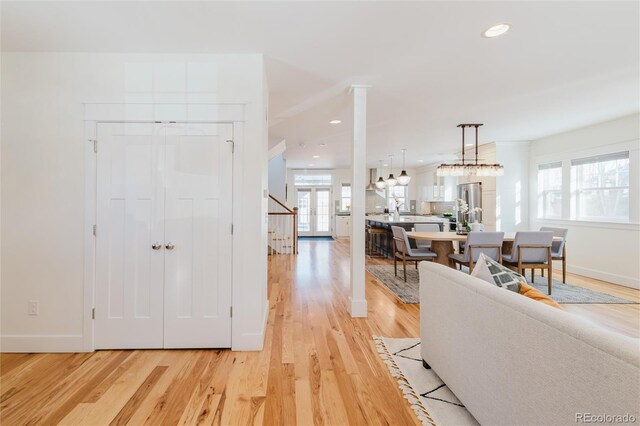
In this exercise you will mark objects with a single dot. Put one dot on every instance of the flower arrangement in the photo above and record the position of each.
(463, 208)
(398, 203)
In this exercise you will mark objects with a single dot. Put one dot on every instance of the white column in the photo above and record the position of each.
(358, 303)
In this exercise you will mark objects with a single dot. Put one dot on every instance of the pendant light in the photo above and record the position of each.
(391, 181)
(404, 178)
(380, 183)
(470, 169)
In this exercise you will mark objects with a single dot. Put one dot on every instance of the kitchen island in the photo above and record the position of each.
(384, 241)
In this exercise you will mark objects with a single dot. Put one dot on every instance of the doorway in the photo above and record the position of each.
(163, 236)
(314, 211)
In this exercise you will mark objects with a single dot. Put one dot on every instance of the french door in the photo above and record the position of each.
(314, 211)
(163, 240)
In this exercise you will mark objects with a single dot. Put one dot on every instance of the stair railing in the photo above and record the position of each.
(283, 228)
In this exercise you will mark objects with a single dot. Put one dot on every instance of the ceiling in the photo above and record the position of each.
(563, 65)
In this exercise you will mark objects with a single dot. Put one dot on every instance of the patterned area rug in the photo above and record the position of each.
(431, 400)
(562, 293)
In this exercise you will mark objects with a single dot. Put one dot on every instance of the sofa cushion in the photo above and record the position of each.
(492, 272)
(535, 294)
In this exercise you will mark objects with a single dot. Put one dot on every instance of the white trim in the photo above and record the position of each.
(117, 112)
(358, 308)
(625, 226)
(89, 239)
(252, 341)
(631, 282)
(35, 343)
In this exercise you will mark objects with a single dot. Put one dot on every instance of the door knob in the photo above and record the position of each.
(169, 246)
(156, 246)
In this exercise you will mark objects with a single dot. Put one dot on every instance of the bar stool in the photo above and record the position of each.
(373, 243)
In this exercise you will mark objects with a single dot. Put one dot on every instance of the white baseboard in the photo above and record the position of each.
(631, 282)
(32, 343)
(358, 308)
(252, 341)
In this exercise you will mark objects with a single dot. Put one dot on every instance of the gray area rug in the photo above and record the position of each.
(562, 293)
(431, 400)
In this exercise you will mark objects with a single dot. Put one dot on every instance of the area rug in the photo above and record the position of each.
(431, 400)
(562, 293)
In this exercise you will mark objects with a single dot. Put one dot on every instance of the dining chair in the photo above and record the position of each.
(559, 248)
(402, 250)
(425, 227)
(531, 249)
(489, 243)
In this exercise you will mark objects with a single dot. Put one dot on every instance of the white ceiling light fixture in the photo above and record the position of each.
(391, 180)
(380, 183)
(335, 122)
(404, 178)
(496, 30)
(315, 156)
(470, 169)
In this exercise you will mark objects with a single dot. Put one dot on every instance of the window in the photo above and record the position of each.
(550, 190)
(345, 197)
(398, 196)
(600, 187)
(312, 180)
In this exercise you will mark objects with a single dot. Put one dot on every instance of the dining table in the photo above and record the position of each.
(442, 243)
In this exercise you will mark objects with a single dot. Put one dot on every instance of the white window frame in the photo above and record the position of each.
(343, 198)
(543, 193)
(576, 189)
(391, 200)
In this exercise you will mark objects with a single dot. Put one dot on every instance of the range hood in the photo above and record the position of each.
(372, 186)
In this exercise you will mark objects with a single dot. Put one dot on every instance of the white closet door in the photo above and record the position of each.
(130, 220)
(198, 236)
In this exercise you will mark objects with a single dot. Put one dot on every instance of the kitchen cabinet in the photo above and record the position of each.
(343, 226)
(441, 188)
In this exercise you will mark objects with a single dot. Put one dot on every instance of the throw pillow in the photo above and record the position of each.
(535, 294)
(492, 272)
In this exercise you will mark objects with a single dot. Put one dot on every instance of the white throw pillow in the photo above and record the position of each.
(492, 272)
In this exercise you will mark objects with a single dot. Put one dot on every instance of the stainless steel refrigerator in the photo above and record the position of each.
(471, 193)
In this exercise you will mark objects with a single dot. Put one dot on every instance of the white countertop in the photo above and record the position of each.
(387, 218)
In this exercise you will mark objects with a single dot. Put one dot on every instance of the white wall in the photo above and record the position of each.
(512, 189)
(278, 177)
(607, 251)
(43, 178)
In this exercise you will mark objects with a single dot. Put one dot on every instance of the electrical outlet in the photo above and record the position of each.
(34, 307)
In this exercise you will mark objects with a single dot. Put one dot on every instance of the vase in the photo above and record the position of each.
(396, 215)
(477, 226)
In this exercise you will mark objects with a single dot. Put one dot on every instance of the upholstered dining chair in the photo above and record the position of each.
(425, 227)
(489, 243)
(402, 250)
(531, 250)
(559, 248)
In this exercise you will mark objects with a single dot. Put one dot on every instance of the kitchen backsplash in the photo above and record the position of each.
(439, 207)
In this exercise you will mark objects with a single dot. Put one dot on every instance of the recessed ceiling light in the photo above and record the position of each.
(315, 156)
(335, 122)
(323, 144)
(496, 30)
(310, 165)
(385, 165)
(420, 161)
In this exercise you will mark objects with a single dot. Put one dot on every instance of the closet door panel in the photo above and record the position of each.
(130, 220)
(198, 236)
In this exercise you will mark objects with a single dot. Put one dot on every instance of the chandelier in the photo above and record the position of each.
(473, 168)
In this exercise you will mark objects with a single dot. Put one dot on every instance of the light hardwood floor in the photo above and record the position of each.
(319, 365)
